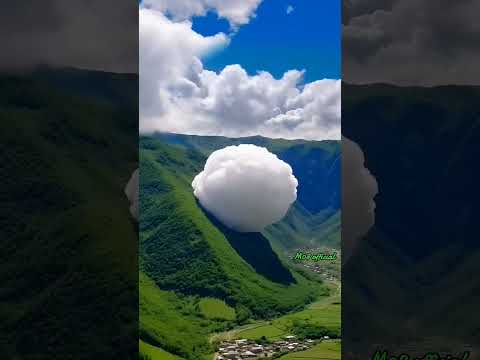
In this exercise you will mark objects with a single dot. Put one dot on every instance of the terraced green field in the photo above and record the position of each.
(326, 315)
(326, 350)
(325, 312)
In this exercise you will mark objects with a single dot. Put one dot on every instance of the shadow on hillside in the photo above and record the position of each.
(256, 250)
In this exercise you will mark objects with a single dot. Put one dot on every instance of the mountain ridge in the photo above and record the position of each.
(317, 167)
(186, 251)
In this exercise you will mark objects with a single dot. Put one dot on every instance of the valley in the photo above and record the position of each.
(201, 281)
(266, 334)
(281, 338)
(324, 311)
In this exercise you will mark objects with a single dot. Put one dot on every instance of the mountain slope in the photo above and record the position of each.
(314, 218)
(184, 249)
(170, 323)
(66, 159)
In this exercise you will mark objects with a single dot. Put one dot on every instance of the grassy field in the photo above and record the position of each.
(155, 353)
(216, 309)
(326, 350)
(327, 315)
(326, 311)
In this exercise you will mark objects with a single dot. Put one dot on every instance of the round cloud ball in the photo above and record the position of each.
(359, 188)
(246, 187)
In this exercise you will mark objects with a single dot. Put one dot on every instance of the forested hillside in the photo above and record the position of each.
(68, 241)
(187, 253)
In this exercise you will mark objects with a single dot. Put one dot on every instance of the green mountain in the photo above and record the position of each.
(187, 257)
(314, 218)
(69, 247)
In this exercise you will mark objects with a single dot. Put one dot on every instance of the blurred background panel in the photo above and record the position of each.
(410, 101)
(69, 145)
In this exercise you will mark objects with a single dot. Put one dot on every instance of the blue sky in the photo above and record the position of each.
(307, 38)
(178, 96)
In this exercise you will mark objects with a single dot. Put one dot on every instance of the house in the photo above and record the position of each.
(257, 349)
(231, 354)
(243, 349)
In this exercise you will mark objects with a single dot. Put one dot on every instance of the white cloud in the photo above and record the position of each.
(246, 187)
(314, 113)
(75, 34)
(169, 61)
(290, 9)
(178, 95)
(237, 12)
(359, 189)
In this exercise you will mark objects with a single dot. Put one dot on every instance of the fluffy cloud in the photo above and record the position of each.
(237, 12)
(359, 189)
(233, 103)
(169, 62)
(411, 42)
(246, 187)
(178, 95)
(131, 190)
(76, 34)
(290, 9)
(313, 113)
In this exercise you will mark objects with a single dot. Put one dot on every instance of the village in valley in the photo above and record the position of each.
(249, 349)
(241, 349)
